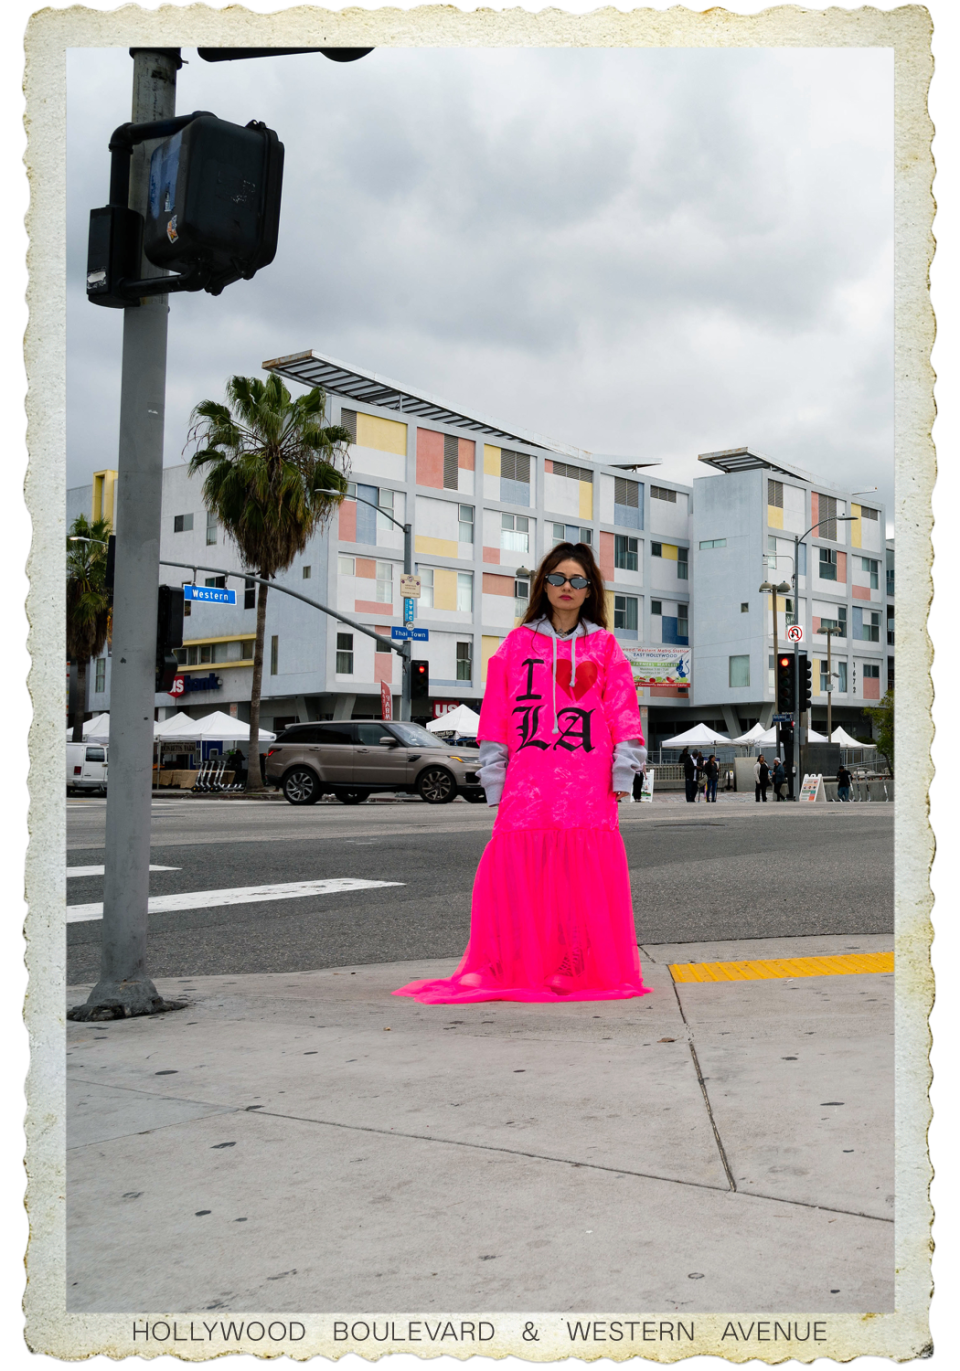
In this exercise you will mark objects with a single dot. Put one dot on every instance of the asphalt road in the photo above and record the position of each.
(735, 870)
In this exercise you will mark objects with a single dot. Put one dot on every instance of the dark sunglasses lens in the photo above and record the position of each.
(576, 582)
(579, 582)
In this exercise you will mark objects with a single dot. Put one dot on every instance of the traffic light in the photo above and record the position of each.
(806, 682)
(419, 680)
(169, 634)
(110, 569)
(213, 209)
(785, 692)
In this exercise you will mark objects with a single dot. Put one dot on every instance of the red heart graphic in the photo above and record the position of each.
(586, 678)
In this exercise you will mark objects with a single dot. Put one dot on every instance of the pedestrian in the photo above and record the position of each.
(689, 775)
(843, 784)
(234, 762)
(762, 772)
(713, 776)
(560, 744)
(701, 776)
(779, 778)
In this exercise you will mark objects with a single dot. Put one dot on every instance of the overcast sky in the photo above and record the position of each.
(654, 253)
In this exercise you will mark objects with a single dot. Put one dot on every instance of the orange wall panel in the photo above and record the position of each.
(429, 458)
(366, 568)
(466, 454)
(606, 557)
(497, 585)
(842, 567)
(814, 513)
(347, 526)
(861, 592)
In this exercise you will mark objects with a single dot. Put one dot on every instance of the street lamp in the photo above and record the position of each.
(834, 519)
(405, 702)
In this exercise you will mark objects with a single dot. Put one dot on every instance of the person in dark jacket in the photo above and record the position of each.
(762, 773)
(712, 770)
(689, 775)
(843, 783)
(779, 778)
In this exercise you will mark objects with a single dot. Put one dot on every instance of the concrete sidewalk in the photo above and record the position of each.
(306, 1142)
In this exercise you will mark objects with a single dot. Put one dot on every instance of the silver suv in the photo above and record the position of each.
(352, 760)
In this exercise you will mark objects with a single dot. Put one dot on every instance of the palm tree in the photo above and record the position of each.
(88, 604)
(274, 474)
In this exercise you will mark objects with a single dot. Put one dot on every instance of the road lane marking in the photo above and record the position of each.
(783, 968)
(240, 894)
(100, 871)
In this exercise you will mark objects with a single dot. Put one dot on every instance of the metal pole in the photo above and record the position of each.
(776, 727)
(406, 707)
(829, 685)
(123, 933)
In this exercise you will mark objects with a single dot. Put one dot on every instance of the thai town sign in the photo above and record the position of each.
(659, 666)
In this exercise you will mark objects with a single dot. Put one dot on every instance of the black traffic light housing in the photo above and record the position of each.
(785, 691)
(110, 570)
(213, 211)
(806, 682)
(169, 634)
(419, 680)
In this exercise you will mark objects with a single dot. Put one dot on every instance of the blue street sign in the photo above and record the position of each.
(783, 718)
(421, 635)
(212, 594)
(409, 607)
(401, 634)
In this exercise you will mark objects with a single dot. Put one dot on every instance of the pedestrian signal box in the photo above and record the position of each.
(785, 690)
(419, 680)
(806, 682)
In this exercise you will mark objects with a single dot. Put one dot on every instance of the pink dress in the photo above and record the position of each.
(552, 916)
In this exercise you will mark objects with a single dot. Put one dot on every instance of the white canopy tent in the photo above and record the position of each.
(461, 720)
(769, 739)
(698, 735)
(167, 728)
(95, 730)
(752, 735)
(215, 727)
(843, 738)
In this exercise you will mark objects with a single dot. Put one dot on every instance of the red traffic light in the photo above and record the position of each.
(785, 661)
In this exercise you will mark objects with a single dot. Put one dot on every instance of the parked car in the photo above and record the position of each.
(353, 759)
(86, 767)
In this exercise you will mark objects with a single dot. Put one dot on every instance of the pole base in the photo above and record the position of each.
(122, 1000)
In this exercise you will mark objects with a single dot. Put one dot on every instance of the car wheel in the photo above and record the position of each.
(436, 785)
(301, 787)
(351, 797)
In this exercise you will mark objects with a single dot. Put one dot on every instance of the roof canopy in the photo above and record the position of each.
(700, 733)
(215, 727)
(742, 459)
(840, 736)
(752, 735)
(461, 720)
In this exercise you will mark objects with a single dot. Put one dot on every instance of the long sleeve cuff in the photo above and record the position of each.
(493, 770)
(629, 758)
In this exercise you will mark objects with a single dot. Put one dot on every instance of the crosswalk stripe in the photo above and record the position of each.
(241, 894)
(99, 870)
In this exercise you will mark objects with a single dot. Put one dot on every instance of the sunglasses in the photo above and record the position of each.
(575, 582)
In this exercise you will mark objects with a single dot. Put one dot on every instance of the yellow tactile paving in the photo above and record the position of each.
(780, 968)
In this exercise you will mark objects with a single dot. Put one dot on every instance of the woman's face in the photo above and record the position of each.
(565, 597)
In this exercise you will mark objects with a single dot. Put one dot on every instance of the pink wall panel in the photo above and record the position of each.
(871, 687)
(347, 526)
(492, 554)
(370, 607)
(814, 512)
(497, 585)
(842, 567)
(366, 568)
(606, 557)
(466, 454)
(861, 592)
(383, 667)
(429, 458)
(816, 624)
(548, 467)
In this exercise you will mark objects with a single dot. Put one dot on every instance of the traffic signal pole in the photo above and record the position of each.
(124, 986)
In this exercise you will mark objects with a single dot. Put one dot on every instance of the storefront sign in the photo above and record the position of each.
(441, 707)
(386, 700)
(659, 666)
(183, 684)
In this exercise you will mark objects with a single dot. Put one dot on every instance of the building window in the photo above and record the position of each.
(775, 494)
(346, 566)
(828, 564)
(871, 671)
(744, 606)
(890, 581)
(839, 623)
(573, 473)
(426, 587)
(790, 612)
(842, 677)
(571, 533)
(873, 569)
(661, 493)
(464, 661)
(344, 654)
(871, 626)
(451, 461)
(521, 596)
(866, 513)
(385, 502)
(683, 622)
(348, 419)
(626, 502)
(827, 527)
(514, 477)
(249, 593)
(625, 613)
(217, 582)
(824, 678)
(656, 549)
(514, 533)
(719, 542)
(182, 523)
(656, 606)
(682, 565)
(351, 491)
(464, 592)
(385, 583)
(100, 684)
(467, 515)
(307, 572)
(890, 627)
(889, 673)
(211, 528)
(274, 655)
(383, 644)
(624, 552)
(739, 671)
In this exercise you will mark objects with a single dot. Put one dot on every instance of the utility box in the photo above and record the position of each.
(214, 200)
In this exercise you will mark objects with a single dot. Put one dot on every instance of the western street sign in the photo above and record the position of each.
(210, 594)
(783, 718)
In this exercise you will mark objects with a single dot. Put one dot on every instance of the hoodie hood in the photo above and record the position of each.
(584, 628)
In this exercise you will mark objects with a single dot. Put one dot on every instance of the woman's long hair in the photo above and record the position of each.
(594, 606)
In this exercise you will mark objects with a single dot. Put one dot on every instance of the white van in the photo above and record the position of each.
(87, 767)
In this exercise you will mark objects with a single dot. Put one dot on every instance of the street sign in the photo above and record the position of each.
(420, 635)
(386, 700)
(783, 718)
(410, 586)
(400, 635)
(210, 594)
(795, 633)
(409, 609)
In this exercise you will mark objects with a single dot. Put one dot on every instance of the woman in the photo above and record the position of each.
(560, 744)
(762, 772)
(713, 776)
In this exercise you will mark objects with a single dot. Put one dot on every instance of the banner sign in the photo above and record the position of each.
(659, 666)
(213, 594)
(386, 701)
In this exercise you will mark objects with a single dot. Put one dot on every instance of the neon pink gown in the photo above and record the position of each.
(552, 916)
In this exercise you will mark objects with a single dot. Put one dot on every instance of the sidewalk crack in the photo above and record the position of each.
(703, 1090)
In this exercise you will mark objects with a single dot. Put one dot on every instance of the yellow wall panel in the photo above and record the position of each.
(386, 435)
(668, 550)
(855, 527)
(104, 490)
(436, 547)
(608, 596)
(488, 646)
(774, 517)
(444, 588)
(491, 460)
(586, 499)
